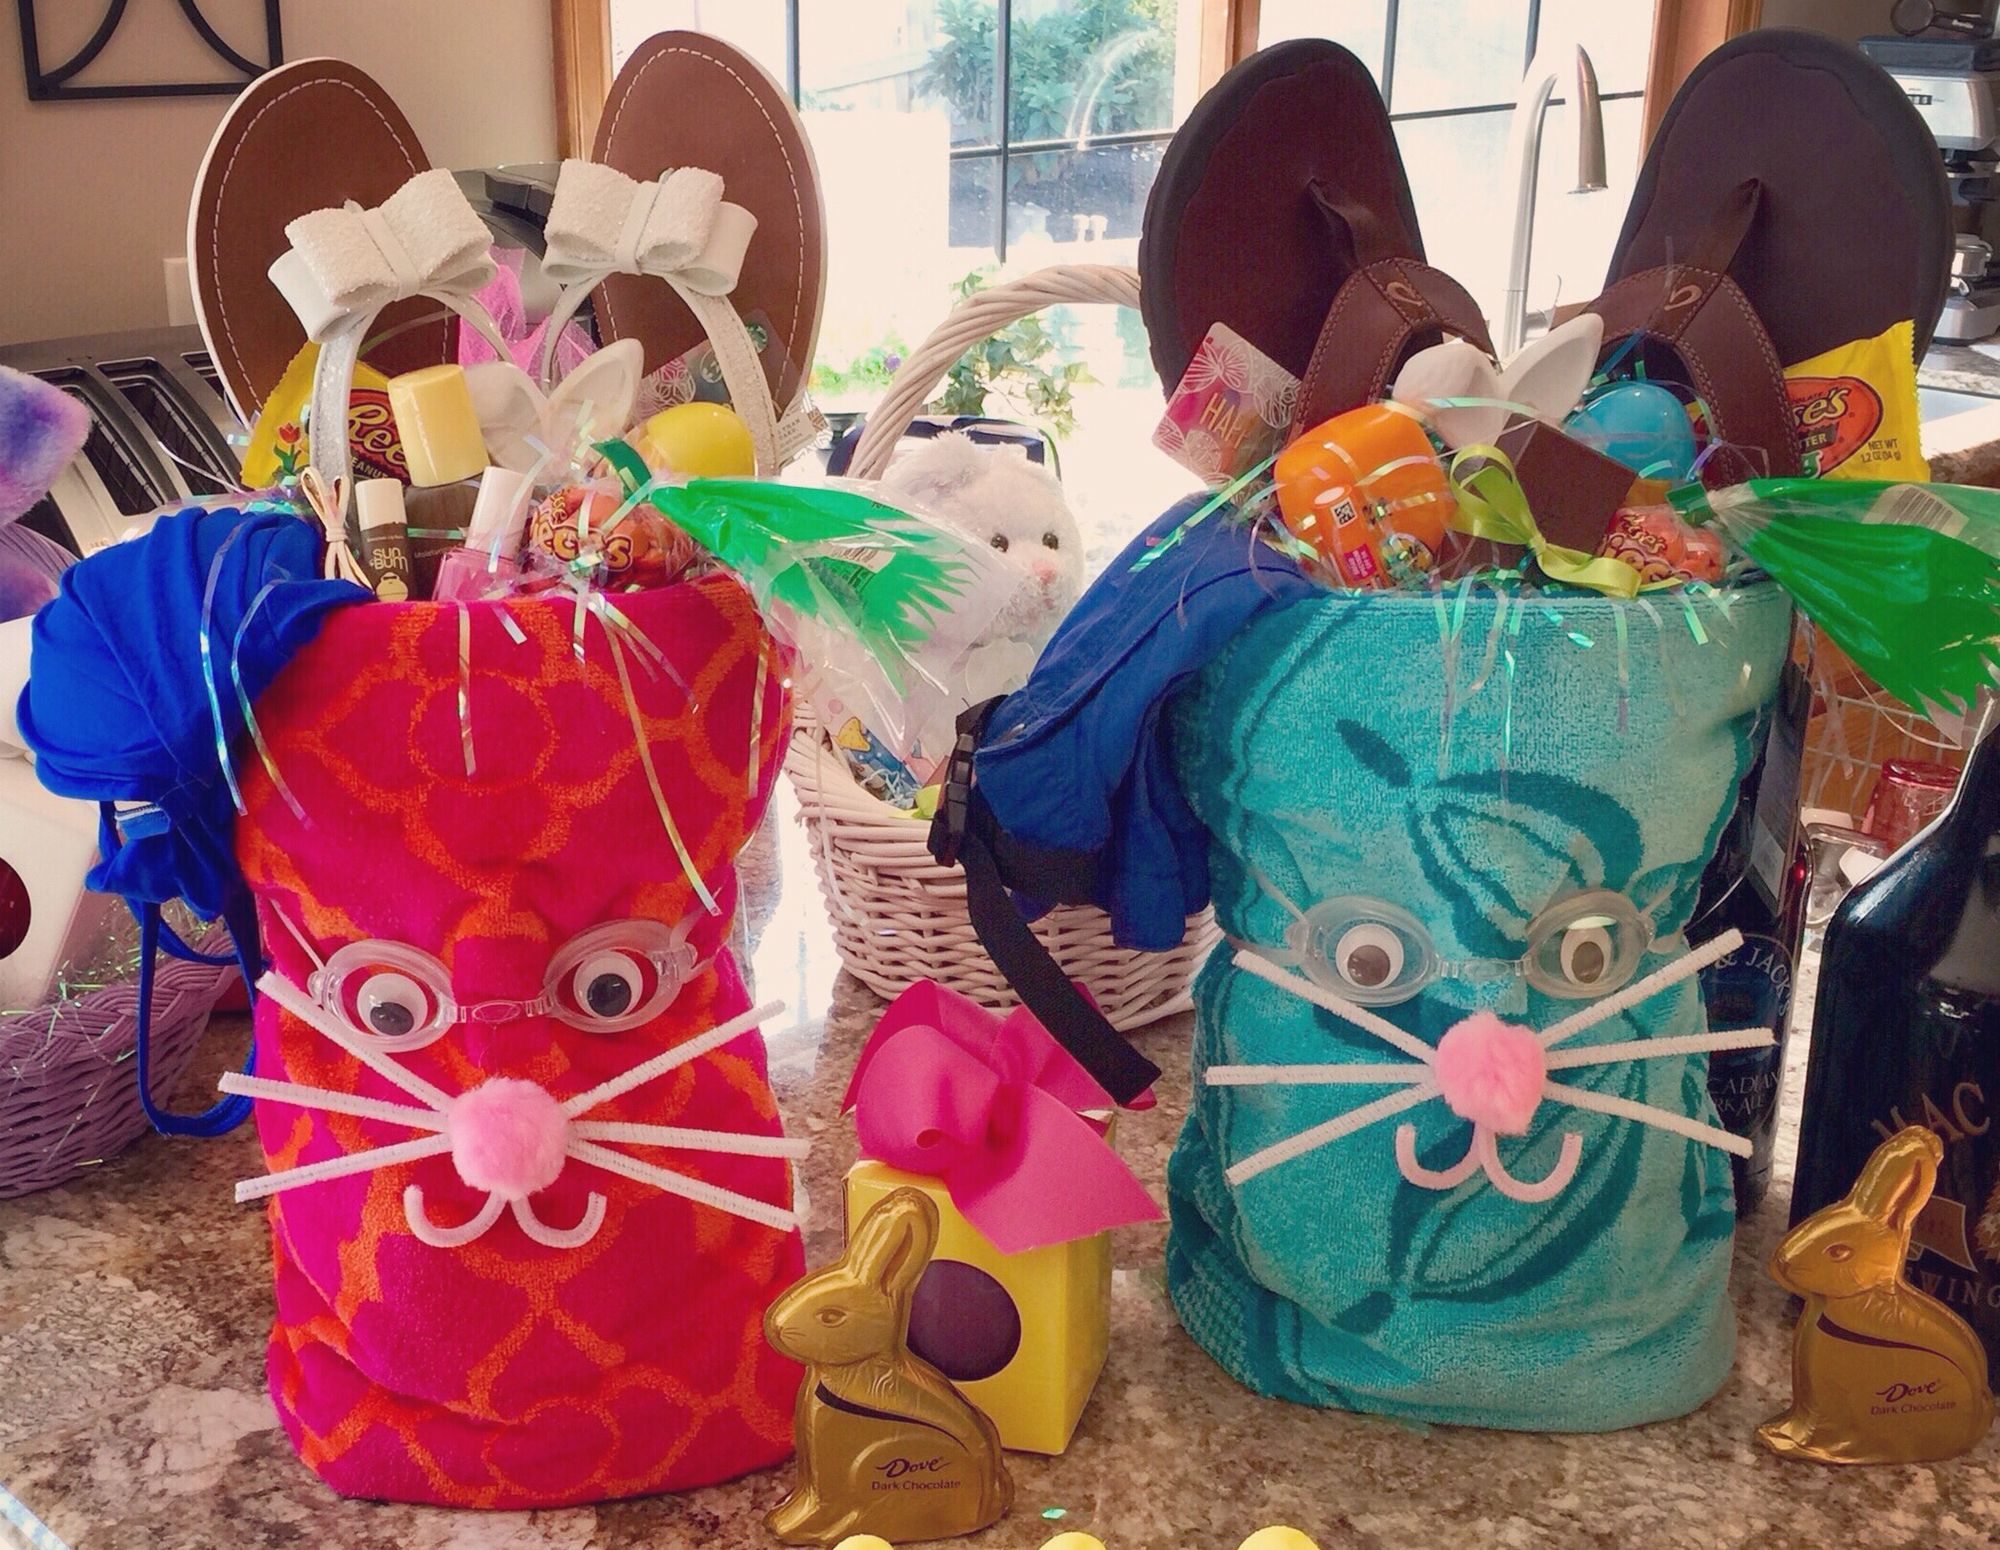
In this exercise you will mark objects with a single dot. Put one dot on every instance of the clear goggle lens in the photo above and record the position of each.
(1376, 954)
(613, 977)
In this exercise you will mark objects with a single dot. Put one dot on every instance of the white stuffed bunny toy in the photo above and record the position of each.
(997, 494)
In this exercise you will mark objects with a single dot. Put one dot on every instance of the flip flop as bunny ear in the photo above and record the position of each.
(307, 136)
(341, 264)
(702, 178)
(1282, 210)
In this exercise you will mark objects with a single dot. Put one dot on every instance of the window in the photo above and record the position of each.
(955, 136)
(1450, 71)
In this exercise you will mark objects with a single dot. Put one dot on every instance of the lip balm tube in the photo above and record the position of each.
(489, 560)
(385, 539)
(437, 424)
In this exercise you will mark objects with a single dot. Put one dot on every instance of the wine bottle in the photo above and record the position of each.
(1744, 887)
(1907, 1032)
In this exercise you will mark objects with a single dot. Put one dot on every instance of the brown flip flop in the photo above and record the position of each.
(306, 136)
(1745, 251)
(687, 100)
(1282, 210)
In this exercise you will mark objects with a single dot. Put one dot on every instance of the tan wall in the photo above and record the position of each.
(95, 193)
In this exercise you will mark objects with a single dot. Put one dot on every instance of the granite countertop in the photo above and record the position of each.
(134, 1306)
(1964, 447)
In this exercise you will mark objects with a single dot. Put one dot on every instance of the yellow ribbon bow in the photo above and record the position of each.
(1492, 505)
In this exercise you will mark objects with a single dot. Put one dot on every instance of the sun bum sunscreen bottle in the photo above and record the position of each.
(385, 539)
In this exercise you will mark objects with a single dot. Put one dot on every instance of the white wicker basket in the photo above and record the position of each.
(898, 916)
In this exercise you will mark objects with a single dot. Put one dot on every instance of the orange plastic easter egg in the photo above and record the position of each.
(1366, 491)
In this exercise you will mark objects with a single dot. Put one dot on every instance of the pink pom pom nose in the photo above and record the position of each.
(507, 1138)
(1492, 1073)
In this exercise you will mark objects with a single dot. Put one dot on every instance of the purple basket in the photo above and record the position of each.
(69, 1087)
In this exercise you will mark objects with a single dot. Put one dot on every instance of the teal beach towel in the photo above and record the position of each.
(1486, 817)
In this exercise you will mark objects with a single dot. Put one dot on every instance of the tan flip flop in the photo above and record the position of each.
(685, 100)
(304, 137)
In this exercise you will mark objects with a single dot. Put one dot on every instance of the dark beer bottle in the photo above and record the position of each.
(1907, 1032)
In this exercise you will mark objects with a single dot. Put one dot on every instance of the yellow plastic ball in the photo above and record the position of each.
(1277, 1537)
(701, 441)
(1074, 1541)
(864, 1542)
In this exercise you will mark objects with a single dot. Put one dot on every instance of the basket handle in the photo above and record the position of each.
(979, 316)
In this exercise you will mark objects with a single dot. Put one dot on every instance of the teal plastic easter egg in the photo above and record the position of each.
(1640, 424)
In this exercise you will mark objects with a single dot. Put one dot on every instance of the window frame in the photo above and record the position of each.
(1683, 32)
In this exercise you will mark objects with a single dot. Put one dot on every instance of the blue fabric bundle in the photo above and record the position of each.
(1469, 767)
(133, 697)
(1078, 760)
(123, 705)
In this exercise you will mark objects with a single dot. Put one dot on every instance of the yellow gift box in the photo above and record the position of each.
(1023, 1336)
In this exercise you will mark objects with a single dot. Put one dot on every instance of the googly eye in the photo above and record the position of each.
(608, 985)
(617, 975)
(1587, 954)
(1586, 945)
(1369, 956)
(391, 1005)
(1368, 950)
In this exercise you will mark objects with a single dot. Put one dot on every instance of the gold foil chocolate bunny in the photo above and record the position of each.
(886, 1444)
(1882, 1373)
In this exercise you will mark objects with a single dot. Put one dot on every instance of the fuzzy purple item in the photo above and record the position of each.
(41, 429)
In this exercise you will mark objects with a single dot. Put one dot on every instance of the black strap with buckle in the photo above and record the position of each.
(966, 834)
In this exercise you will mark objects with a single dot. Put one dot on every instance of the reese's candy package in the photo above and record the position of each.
(1856, 410)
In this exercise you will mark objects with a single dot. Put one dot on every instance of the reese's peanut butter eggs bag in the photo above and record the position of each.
(1856, 409)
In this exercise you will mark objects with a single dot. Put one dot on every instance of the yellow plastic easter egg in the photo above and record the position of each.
(864, 1542)
(1074, 1541)
(700, 440)
(1277, 1537)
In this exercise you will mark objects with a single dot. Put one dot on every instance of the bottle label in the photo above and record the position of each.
(1955, 1245)
(1751, 988)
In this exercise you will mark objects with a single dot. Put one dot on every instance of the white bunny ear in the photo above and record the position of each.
(1549, 374)
(510, 409)
(605, 386)
(1453, 369)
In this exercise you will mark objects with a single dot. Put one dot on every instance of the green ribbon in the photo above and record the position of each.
(626, 463)
(1224, 497)
(1492, 505)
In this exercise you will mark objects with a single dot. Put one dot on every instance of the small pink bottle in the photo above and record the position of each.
(489, 560)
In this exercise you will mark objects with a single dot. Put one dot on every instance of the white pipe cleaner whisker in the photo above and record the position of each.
(1491, 1074)
(340, 1167)
(700, 1191)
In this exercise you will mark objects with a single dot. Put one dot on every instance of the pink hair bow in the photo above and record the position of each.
(993, 1108)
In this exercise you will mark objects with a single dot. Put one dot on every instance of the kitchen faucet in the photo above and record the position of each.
(1524, 151)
